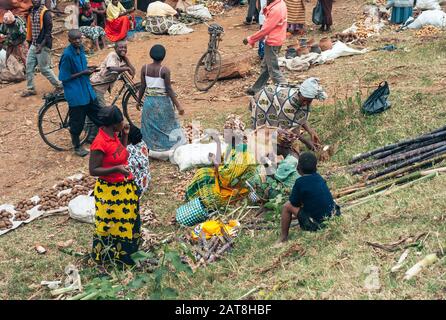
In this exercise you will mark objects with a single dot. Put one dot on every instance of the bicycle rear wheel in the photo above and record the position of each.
(53, 125)
(129, 99)
(207, 70)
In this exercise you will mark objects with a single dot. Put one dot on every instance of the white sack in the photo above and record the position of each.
(428, 5)
(82, 208)
(199, 11)
(436, 18)
(178, 29)
(340, 49)
(195, 155)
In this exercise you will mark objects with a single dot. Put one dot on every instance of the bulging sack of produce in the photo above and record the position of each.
(377, 102)
(428, 5)
(436, 18)
(195, 155)
(82, 208)
(178, 29)
(199, 11)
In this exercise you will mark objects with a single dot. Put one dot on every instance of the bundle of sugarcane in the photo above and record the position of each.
(368, 193)
(358, 187)
(402, 154)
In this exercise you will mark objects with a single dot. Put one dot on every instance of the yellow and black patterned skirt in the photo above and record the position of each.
(118, 224)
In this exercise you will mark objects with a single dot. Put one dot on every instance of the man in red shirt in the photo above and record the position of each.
(274, 33)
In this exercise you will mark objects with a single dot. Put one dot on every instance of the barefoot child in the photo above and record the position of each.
(310, 200)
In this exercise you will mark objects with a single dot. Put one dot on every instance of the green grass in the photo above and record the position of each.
(334, 261)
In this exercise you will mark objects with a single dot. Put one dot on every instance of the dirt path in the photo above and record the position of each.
(28, 164)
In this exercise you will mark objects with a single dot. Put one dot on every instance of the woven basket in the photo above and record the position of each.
(191, 213)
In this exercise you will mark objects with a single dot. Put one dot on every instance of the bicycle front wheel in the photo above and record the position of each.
(207, 70)
(53, 125)
(129, 104)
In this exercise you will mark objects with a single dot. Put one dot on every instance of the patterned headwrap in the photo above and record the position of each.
(8, 17)
(311, 89)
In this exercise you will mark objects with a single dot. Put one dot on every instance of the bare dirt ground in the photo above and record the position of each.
(28, 164)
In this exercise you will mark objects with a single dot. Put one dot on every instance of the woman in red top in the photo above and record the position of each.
(118, 224)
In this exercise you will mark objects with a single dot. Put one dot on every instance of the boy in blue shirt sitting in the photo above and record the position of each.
(311, 200)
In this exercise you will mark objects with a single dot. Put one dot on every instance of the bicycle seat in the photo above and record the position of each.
(215, 28)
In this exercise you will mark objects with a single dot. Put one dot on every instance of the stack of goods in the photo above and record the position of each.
(21, 210)
(402, 154)
(192, 132)
(349, 38)
(234, 123)
(362, 31)
(189, 20)
(5, 220)
(65, 191)
(288, 139)
(216, 7)
(399, 164)
(428, 31)
(212, 239)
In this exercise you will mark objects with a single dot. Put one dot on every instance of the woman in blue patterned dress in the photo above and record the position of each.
(401, 10)
(160, 128)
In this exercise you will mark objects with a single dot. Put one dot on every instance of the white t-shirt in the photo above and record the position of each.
(261, 16)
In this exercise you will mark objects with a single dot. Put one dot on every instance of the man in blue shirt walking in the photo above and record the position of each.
(81, 98)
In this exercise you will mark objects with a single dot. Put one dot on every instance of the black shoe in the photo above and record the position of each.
(81, 152)
(250, 92)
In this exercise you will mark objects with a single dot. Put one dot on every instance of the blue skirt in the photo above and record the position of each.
(401, 14)
(160, 128)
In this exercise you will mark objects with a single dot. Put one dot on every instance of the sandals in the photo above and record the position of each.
(28, 93)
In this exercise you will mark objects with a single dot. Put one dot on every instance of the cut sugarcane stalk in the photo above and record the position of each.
(407, 148)
(416, 269)
(382, 186)
(412, 167)
(438, 170)
(424, 156)
(400, 262)
(79, 296)
(91, 296)
(388, 191)
(397, 157)
(422, 138)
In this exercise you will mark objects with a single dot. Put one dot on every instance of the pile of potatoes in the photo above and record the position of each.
(86, 181)
(75, 191)
(21, 208)
(24, 205)
(428, 31)
(49, 200)
(21, 216)
(5, 220)
(66, 184)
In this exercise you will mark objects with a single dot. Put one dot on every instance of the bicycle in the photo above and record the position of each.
(208, 67)
(53, 121)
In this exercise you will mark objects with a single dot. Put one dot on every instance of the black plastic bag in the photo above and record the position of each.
(318, 14)
(377, 102)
